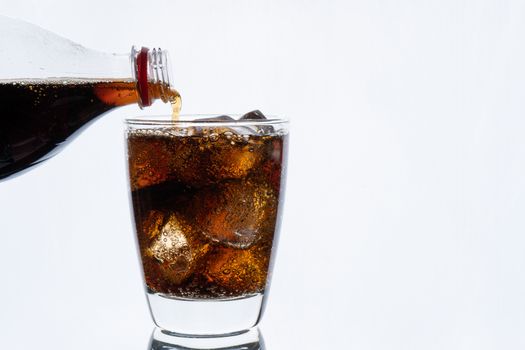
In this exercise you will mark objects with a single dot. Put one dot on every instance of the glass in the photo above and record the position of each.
(207, 197)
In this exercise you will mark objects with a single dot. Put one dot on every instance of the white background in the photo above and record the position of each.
(404, 220)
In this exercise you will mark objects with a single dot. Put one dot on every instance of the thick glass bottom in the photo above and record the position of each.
(205, 317)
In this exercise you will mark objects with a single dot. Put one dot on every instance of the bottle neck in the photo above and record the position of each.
(151, 71)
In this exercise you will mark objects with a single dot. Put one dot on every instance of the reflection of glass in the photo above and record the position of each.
(206, 202)
(251, 340)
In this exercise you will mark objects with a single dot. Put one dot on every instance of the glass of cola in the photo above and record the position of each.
(207, 195)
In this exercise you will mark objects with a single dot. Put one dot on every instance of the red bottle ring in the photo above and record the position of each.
(142, 77)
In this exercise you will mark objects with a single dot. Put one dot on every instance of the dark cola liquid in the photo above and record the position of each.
(39, 117)
(206, 208)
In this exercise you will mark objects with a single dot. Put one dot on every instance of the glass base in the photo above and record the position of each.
(249, 340)
(205, 317)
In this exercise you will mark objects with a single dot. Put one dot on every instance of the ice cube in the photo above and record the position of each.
(148, 160)
(205, 130)
(174, 247)
(253, 115)
(236, 130)
(235, 213)
(259, 129)
(241, 272)
(201, 160)
(218, 118)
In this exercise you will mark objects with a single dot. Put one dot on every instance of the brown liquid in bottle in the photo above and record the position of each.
(39, 117)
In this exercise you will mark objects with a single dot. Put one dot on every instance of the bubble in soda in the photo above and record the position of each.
(171, 247)
(206, 205)
(235, 213)
(238, 269)
(212, 154)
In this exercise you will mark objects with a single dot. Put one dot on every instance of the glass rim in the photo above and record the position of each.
(165, 120)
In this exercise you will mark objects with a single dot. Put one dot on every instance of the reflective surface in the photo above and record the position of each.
(251, 340)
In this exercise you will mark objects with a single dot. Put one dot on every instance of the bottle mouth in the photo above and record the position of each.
(151, 67)
(159, 63)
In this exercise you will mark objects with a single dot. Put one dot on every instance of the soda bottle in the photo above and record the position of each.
(52, 88)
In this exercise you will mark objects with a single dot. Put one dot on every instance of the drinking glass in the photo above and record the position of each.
(207, 195)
